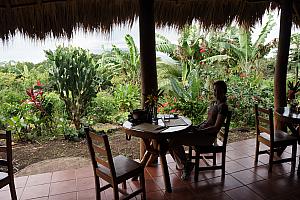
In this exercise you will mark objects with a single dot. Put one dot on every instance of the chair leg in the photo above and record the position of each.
(12, 190)
(223, 164)
(256, 151)
(197, 158)
(271, 159)
(143, 186)
(124, 186)
(190, 153)
(294, 155)
(116, 191)
(98, 191)
(214, 159)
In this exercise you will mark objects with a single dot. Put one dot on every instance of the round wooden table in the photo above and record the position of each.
(155, 137)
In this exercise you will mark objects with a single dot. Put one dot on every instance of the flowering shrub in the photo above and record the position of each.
(167, 107)
(36, 97)
(152, 103)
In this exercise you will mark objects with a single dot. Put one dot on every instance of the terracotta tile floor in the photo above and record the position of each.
(243, 181)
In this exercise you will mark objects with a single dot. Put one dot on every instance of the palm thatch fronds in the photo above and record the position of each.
(39, 18)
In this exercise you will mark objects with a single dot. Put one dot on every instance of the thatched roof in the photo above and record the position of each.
(38, 18)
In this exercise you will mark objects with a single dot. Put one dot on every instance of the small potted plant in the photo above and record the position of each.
(293, 89)
(152, 103)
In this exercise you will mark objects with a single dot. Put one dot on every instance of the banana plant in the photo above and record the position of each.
(188, 96)
(243, 54)
(74, 73)
(126, 63)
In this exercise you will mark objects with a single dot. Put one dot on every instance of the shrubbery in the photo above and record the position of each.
(78, 87)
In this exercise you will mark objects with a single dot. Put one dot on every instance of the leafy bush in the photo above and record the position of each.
(194, 110)
(127, 97)
(74, 75)
(102, 108)
(243, 93)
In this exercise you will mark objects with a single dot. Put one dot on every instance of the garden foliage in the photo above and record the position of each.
(72, 85)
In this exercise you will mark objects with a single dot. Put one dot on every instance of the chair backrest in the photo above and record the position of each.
(223, 133)
(6, 148)
(100, 152)
(264, 121)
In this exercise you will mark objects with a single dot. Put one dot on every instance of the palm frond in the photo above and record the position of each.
(164, 45)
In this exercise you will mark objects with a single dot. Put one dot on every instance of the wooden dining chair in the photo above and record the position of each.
(219, 146)
(7, 177)
(276, 140)
(113, 170)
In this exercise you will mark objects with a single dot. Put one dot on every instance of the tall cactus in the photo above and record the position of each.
(74, 73)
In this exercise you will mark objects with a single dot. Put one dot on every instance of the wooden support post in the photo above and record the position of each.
(147, 52)
(280, 74)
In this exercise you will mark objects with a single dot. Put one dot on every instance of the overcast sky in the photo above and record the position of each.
(21, 48)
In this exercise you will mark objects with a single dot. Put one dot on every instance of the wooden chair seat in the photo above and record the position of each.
(206, 152)
(124, 168)
(276, 140)
(114, 170)
(279, 137)
(215, 147)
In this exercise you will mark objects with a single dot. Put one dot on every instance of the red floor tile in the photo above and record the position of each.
(155, 171)
(243, 193)
(204, 188)
(63, 187)
(243, 180)
(66, 196)
(147, 174)
(20, 182)
(218, 196)
(42, 198)
(155, 195)
(5, 194)
(31, 192)
(110, 195)
(246, 177)
(208, 174)
(39, 179)
(265, 189)
(183, 192)
(214, 185)
(248, 162)
(233, 166)
(151, 185)
(85, 183)
(63, 175)
(175, 181)
(235, 154)
(84, 172)
(89, 195)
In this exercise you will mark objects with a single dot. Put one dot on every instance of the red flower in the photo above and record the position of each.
(38, 83)
(202, 50)
(35, 94)
(164, 104)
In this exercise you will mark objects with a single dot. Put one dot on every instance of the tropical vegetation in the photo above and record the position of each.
(73, 87)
